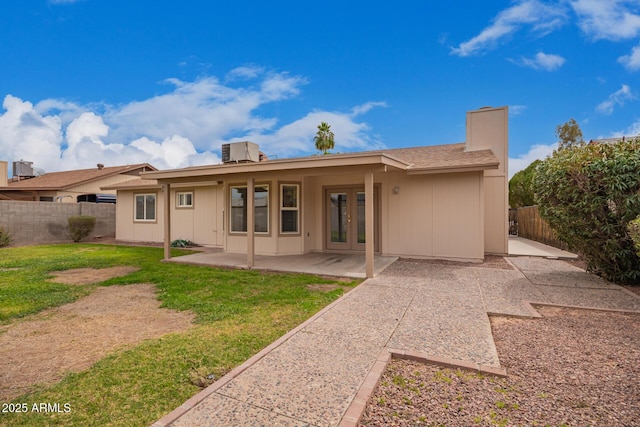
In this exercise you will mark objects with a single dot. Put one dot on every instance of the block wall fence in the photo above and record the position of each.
(46, 222)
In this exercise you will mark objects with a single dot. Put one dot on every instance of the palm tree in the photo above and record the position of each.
(324, 138)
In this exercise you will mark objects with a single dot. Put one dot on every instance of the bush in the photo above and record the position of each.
(634, 232)
(80, 226)
(182, 243)
(6, 237)
(589, 194)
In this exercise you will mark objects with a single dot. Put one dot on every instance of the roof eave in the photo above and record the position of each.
(280, 165)
(454, 169)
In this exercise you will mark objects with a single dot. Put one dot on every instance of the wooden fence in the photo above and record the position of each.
(529, 225)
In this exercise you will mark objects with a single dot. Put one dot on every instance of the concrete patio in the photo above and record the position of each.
(321, 263)
(322, 372)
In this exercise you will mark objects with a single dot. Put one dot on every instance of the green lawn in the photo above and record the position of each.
(238, 313)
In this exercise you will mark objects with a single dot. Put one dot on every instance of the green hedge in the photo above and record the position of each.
(589, 195)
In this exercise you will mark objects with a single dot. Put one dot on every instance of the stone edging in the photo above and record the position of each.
(356, 409)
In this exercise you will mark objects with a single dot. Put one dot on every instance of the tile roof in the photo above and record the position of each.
(66, 179)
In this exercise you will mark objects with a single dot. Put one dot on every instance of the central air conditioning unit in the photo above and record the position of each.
(23, 169)
(240, 152)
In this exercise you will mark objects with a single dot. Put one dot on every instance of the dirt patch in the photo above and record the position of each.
(87, 276)
(327, 287)
(45, 347)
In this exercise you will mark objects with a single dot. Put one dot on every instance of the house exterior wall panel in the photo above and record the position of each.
(458, 213)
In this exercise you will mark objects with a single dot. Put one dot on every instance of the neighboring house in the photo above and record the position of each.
(443, 201)
(68, 185)
(612, 140)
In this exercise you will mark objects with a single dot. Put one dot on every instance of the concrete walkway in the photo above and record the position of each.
(321, 373)
(519, 246)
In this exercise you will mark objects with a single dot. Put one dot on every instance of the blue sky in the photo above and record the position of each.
(116, 82)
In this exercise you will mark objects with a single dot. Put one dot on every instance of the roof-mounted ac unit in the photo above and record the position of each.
(23, 169)
(240, 152)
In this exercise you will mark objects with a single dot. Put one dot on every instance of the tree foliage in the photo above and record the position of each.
(80, 226)
(589, 195)
(634, 232)
(521, 187)
(324, 138)
(569, 135)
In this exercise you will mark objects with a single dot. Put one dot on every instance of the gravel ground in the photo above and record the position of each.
(569, 368)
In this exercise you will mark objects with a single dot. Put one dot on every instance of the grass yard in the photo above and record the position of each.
(237, 313)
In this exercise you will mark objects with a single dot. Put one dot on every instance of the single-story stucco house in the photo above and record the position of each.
(443, 201)
(66, 186)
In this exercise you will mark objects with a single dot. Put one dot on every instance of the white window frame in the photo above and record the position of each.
(180, 202)
(244, 186)
(295, 208)
(145, 213)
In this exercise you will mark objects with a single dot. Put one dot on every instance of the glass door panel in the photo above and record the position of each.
(360, 213)
(340, 218)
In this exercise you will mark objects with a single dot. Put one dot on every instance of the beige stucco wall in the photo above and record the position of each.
(488, 128)
(431, 216)
(201, 224)
(4, 173)
(92, 187)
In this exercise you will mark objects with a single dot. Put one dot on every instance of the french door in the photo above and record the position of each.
(345, 218)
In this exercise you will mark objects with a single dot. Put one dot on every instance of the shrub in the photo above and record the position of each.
(80, 226)
(634, 232)
(589, 194)
(6, 237)
(182, 243)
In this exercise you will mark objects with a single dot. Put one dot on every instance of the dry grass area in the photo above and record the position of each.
(43, 348)
(570, 368)
(87, 276)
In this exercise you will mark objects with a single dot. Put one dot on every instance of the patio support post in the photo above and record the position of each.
(368, 221)
(250, 223)
(166, 190)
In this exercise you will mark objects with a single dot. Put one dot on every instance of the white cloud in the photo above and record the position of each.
(536, 152)
(543, 61)
(64, 1)
(616, 98)
(183, 127)
(362, 109)
(608, 20)
(542, 18)
(632, 61)
(632, 131)
(27, 135)
(516, 110)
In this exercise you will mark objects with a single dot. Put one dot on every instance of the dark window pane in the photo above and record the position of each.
(139, 207)
(289, 221)
(150, 207)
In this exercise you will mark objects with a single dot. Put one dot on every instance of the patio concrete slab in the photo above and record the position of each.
(311, 378)
(373, 312)
(447, 325)
(519, 246)
(220, 410)
(609, 299)
(321, 263)
(312, 375)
